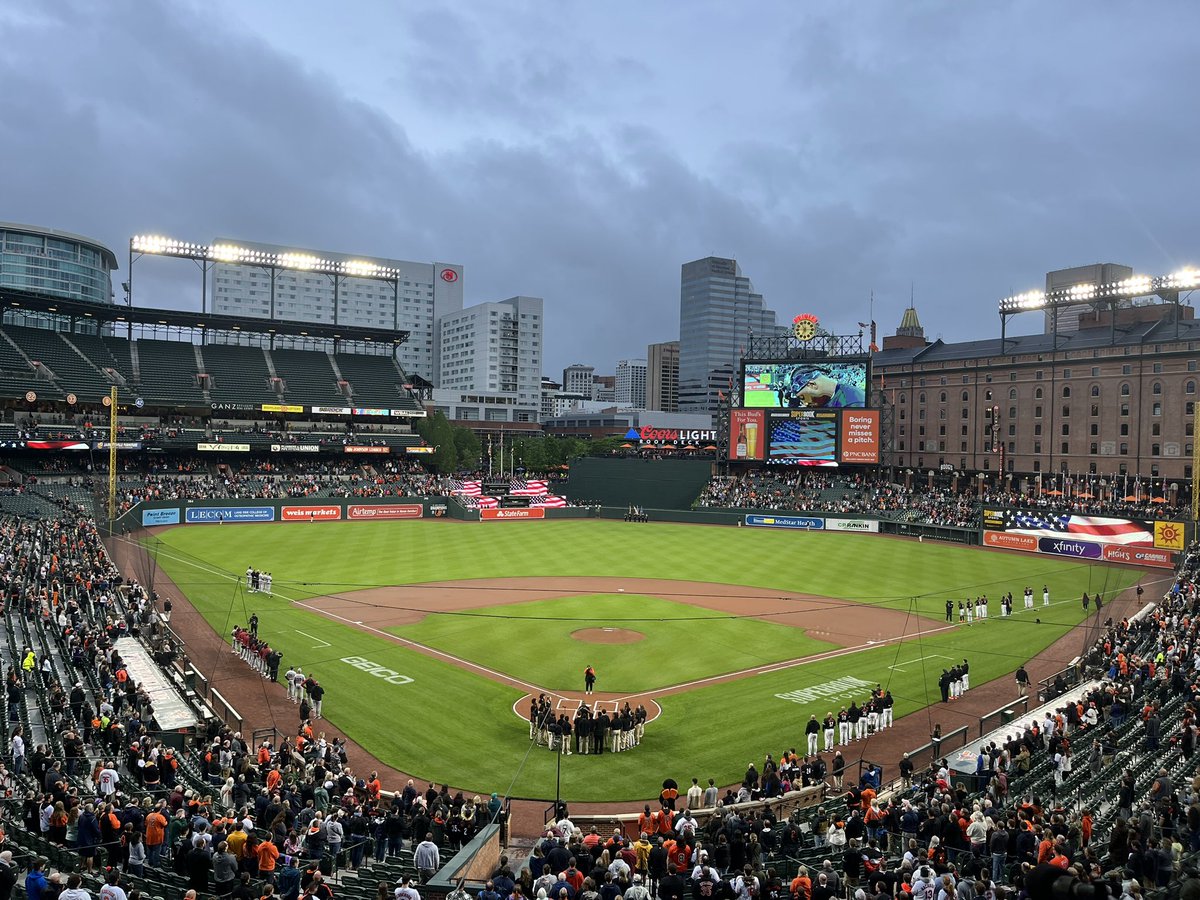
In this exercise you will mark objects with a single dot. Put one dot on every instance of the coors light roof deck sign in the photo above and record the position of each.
(651, 434)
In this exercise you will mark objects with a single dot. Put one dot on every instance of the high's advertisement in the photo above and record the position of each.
(1055, 533)
(747, 434)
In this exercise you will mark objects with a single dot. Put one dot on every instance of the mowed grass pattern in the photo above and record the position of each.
(681, 642)
(450, 725)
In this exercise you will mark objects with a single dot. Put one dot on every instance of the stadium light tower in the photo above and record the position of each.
(207, 255)
(1109, 295)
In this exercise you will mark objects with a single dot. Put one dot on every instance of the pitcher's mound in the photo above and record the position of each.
(607, 635)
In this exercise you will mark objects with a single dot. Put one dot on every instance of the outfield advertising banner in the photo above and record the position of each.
(219, 447)
(862, 526)
(747, 434)
(358, 448)
(383, 511)
(160, 517)
(295, 448)
(860, 437)
(1126, 541)
(310, 514)
(214, 515)
(532, 512)
(808, 523)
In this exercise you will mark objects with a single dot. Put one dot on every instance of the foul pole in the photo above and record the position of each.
(112, 457)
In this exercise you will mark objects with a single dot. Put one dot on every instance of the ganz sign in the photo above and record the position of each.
(677, 435)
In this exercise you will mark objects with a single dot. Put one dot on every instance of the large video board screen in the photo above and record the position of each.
(803, 437)
(809, 384)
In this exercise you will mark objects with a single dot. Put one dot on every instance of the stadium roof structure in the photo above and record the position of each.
(11, 300)
(1160, 331)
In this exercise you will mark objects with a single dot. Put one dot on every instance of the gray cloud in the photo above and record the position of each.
(583, 154)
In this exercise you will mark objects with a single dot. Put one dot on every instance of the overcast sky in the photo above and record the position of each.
(582, 152)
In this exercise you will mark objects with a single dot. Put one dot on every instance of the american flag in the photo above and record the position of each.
(549, 500)
(518, 488)
(1110, 531)
(487, 502)
(467, 488)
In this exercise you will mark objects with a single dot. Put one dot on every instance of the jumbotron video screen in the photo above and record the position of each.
(804, 385)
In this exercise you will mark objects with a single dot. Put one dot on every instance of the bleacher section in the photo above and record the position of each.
(308, 378)
(167, 373)
(374, 380)
(72, 373)
(238, 375)
(105, 352)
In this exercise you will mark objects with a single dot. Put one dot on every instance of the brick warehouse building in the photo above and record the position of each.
(1107, 399)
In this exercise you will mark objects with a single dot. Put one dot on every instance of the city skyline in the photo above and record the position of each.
(885, 150)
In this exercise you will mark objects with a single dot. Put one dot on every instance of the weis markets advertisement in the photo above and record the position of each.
(310, 513)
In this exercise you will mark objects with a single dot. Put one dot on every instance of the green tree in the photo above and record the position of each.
(439, 433)
(466, 443)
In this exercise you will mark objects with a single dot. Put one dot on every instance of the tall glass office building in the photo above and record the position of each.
(55, 263)
(718, 311)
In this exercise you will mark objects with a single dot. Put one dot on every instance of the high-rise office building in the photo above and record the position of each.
(55, 263)
(718, 312)
(422, 293)
(604, 388)
(577, 379)
(494, 347)
(662, 376)
(631, 383)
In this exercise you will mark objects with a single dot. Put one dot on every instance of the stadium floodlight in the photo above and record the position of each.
(1126, 289)
(160, 245)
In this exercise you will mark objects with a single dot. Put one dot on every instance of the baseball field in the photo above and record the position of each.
(430, 635)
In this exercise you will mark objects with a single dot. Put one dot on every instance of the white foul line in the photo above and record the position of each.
(319, 643)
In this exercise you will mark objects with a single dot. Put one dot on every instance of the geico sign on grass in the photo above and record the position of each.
(391, 676)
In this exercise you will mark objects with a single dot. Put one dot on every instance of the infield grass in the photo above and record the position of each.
(679, 642)
(451, 725)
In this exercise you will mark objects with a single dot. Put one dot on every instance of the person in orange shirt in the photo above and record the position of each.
(801, 886)
(1085, 828)
(273, 779)
(156, 834)
(1045, 848)
(268, 853)
(646, 821)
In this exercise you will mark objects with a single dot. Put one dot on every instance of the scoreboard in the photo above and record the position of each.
(804, 437)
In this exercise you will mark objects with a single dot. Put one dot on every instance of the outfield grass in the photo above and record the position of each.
(450, 725)
(681, 642)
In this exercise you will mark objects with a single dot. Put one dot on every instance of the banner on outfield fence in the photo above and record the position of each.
(808, 523)
(310, 513)
(1128, 541)
(160, 516)
(384, 511)
(212, 515)
(531, 512)
(859, 525)
(219, 447)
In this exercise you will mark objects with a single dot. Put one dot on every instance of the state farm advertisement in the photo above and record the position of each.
(535, 512)
(310, 513)
(383, 511)
(747, 434)
(860, 436)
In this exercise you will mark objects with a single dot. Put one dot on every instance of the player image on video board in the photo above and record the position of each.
(805, 385)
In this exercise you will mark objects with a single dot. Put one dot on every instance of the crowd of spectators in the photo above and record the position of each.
(955, 504)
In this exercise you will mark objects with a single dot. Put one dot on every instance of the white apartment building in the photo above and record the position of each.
(631, 383)
(494, 348)
(413, 302)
